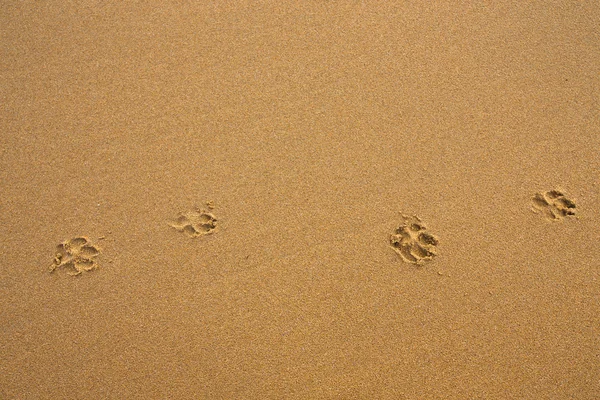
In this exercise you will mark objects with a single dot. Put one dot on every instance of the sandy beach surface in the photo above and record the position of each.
(299, 200)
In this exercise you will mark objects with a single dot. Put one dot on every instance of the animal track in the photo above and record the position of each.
(77, 254)
(553, 204)
(412, 241)
(195, 223)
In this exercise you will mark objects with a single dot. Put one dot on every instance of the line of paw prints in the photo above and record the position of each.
(412, 241)
(77, 255)
(553, 204)
(195, 223)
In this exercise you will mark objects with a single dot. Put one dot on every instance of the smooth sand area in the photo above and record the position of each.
(300, 200)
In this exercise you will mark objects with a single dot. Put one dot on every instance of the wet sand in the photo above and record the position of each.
(247, 179)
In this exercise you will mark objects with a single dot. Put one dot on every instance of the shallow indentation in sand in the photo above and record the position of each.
(195, 223)
(77, 254)
(553, 204)
(413, 242)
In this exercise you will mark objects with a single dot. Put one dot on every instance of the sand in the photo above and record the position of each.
(299, 200)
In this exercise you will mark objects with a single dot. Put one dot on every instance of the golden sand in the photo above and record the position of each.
(402, 200)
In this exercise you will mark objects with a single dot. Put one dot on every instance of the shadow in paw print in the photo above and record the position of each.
(553, 205)
(412, 241)
(195, 223)
(77, 255)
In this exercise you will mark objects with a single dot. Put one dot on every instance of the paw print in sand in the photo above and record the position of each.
(553, 204)
(412, 241)
(195, 223)
(76, 254)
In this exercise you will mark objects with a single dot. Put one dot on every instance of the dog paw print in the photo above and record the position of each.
(553, 204)
(77, 255)
(195, 223)
(412, 241)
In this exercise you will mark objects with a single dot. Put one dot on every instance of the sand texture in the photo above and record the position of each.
(300, 200)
